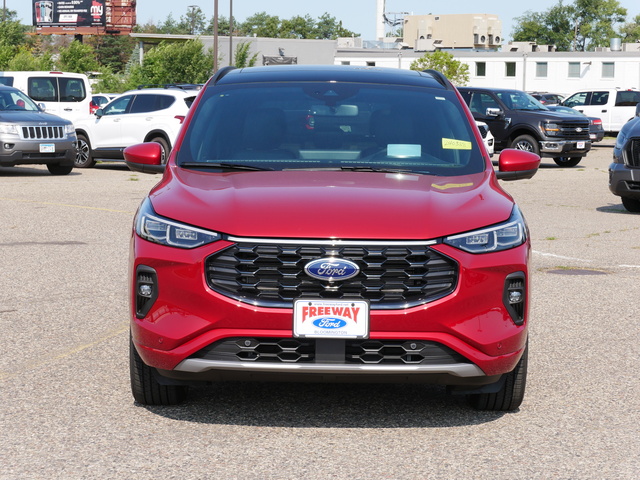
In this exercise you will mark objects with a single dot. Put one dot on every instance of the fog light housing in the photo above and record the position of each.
(146, 290)
(515, 296)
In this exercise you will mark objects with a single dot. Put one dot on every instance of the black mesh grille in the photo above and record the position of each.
(633, 153)
(42, 133)
(577, 130)
(273, 275)
(295, 350)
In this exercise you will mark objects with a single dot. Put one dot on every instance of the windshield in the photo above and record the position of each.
(331, 126)
(15, 100)
(517, 100)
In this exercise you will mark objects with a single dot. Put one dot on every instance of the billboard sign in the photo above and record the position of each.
(68, 13)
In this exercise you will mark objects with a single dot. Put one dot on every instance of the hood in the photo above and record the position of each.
(39, 118)
(321, 204)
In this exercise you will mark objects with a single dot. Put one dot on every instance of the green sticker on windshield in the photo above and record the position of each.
(451, 144)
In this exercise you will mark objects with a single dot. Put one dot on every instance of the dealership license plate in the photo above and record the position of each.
(331, 319)
(580, 144)
(47, 148)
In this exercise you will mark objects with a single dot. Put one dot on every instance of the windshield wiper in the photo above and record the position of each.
(224, 166)
(355, 168)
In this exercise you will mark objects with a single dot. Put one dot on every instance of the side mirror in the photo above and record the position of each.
(99, 113)
(494, 112)
(516, 164)
(42, 107)
(144, 157)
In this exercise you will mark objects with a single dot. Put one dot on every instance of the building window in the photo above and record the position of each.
(481, 69)
(371, 64)
(510, 70)
(345, 62)
(608, 69)
(541, 69)
(574, 69)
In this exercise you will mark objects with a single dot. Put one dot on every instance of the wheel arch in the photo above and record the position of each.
(523, 130)
(158, 133)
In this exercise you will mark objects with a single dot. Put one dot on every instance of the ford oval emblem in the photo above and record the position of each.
(331, 269)
(329, 323)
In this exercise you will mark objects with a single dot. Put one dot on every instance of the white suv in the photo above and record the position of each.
(613, 105)
(144, 115)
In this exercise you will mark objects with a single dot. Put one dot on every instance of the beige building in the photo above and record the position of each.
(469, 31)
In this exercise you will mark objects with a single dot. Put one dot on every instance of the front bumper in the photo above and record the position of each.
(624, 181)
(562, 148)
(187, 318)
(22, 152)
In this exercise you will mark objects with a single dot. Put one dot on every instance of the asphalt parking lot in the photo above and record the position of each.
(67, 411)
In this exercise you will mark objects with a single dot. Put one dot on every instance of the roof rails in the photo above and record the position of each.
(182, 86)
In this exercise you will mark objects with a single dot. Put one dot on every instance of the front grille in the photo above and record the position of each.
(42, 133)
(632, 158)
(570, 130)
(297, 350)
(390, 277)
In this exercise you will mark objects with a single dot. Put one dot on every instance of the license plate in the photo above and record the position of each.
(580, 144)
(47, 148)
(331, 319)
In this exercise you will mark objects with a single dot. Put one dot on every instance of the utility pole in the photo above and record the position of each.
(215, 36)
(230, 32)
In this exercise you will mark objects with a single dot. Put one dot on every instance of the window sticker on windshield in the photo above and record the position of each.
(451, 144)
(402, 150)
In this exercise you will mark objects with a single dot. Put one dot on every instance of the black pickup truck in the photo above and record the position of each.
(517, 120)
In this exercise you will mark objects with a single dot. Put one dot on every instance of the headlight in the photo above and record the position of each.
(500, 237)
(157, 229)
(68, 129)
(9, 128)
(551, 129)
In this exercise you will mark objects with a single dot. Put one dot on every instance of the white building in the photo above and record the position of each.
(549, 71)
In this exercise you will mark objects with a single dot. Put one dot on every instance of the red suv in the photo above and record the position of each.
(330, 224)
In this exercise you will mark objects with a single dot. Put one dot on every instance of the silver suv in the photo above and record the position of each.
(30, 136)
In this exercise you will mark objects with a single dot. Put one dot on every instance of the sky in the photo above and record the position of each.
(356, 15)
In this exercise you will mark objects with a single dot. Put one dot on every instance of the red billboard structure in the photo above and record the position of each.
(84, 17)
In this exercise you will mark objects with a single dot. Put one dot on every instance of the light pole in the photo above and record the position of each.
(230, 32)
(215, 36)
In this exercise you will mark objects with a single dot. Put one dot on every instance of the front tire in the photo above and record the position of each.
(84, 157)
(510, 396)
(57, 169)
(145, 388)
(526, 143)
(631, 204)
(567, 161)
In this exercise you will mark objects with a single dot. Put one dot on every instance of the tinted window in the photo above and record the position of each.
(6, 81)
(151, 103)
(43, 89)
(71, 89)
(599, 98)
(54, 89)
(627, 98)
(288, 126)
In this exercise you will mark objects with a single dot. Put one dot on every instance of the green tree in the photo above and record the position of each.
(327, 27)
(12, 33)
(112, 51)
(261, 25)
(242, 58)
(630, 32)
(193, 23)
(580, 26)
(456, 71)
(179, 62)
(24, 60)
(78, 57)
